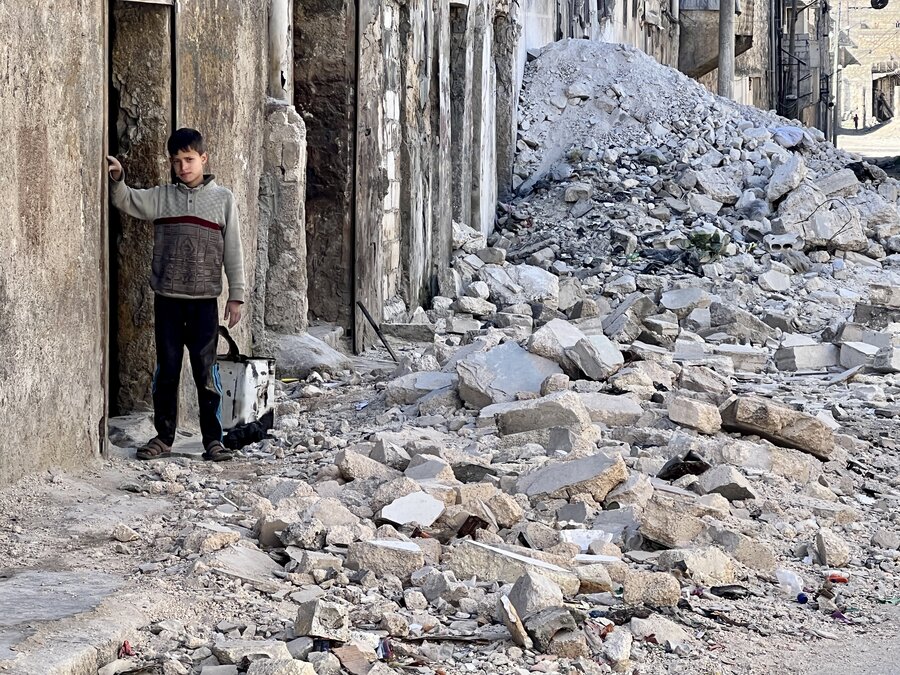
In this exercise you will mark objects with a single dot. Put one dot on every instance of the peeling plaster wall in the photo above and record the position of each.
(51, 292)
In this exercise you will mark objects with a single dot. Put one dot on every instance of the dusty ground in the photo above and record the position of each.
(64, 522)
(882, 141)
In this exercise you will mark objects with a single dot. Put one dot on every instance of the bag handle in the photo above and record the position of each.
(233, 352)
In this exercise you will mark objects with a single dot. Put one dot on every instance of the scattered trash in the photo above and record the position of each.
(789, 582)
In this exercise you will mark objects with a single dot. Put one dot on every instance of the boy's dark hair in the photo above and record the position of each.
(185, 139)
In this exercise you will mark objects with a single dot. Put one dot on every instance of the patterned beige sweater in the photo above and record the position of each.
(196, 231)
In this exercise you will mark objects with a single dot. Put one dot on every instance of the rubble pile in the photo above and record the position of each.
(651, 420)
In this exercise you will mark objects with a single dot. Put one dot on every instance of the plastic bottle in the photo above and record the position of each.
(789, 582)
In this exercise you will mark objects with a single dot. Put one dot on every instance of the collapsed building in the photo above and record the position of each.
(351, 134)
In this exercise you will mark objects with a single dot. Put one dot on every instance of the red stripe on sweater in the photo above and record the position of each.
(193, 220)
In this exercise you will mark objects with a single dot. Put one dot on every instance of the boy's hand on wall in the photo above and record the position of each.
(232, 313)
(115, 168)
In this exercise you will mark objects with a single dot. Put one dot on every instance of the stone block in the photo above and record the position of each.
(887, 360)
(658, 589)
(706, 566)
(594, 578)
(490, 563)
(356, 466)
(596, 356)
(698, 415)
(728, 482)
(831, 549)
(683, 301)
(595, 475)
(667, 633)
(410, 388)
(281, 667)
(499, 374)
(299, 355)
(544, 626)
(233, 652)
(807, 357)
(563, 409)
(855, 354)
(386, 556)
(611, 411)
(668, 522)
(418, 507)
(534, 592)
(779, 424)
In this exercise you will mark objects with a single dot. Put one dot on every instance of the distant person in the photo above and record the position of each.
(196, 232)
(855, 121)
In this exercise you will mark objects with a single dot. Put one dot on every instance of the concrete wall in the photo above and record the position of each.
(51, 288)
(325, 63)
(877, 39)
(142, 94)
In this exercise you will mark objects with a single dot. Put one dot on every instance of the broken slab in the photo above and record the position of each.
(234, 652)
(299, 355)
(418, 507)
(499, 374)
(596, 356)
(245, 563)
(386, 556)
(779, 424)
(490, 563)
(322, 619)
(807, 357)
(562, 409)
(410, 388)
(534, 592)
(728, 482)
(698, 415)
(611, 411)
(596, 475)
(707, 566)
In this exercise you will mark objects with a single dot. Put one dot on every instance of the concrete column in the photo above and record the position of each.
(726, 49)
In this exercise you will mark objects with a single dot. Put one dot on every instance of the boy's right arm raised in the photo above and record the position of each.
(143, 204)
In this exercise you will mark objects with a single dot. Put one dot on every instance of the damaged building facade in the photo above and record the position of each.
(352, 134)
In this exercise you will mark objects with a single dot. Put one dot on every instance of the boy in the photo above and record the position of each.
(196, 232)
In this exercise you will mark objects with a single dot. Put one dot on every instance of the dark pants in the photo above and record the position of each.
(193, 324)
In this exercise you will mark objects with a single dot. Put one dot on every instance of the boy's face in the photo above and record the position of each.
(188, 166)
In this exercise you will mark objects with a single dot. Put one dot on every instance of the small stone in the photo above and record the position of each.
(667, 633)
(886, 539)
(280, 667)
(395, 624)
(124, 533)
(578, 191)
(594, 578)
(832, 550)
(657, 589)
(617, 646)
(543, 626)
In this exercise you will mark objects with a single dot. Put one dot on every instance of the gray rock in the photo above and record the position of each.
(707, 566)
(563, 409)
(781, 425)
(300, 355)
(695, 414)
(612, 411)
(233, 652)
(534, 592)
(728, 482)
(410, 388)
(281, 667)
(418, 507)
(596, 356)
(831, 549)
(596, 475)
(491, 563)
(386, 556)
(786, 177)
(498, 375)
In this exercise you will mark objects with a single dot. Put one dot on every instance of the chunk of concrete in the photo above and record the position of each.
(300, 355)
(612, 411)
(233, 652)
(807, 357)
(667, 633)
(534, 592)
(418, 507)
(596, 356)
(490, 563)
(281, 667)
(707, 566)
(786, 177)
(831, 549)
(855, 354)
(779, 424)
(322, 619)
(695, 414)
(728, 482)
(595, 475)
(658, 589)
(386, 556)
(410, 388)
(562, 409)
(499, 374)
